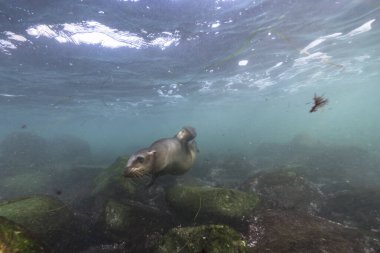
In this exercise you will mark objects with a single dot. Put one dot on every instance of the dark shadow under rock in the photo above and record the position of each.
(293, 232)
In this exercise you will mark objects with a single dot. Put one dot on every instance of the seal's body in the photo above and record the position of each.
(173, 156)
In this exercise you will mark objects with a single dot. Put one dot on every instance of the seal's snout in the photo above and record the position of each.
(134, 172)
(130, 172)
(126, 172)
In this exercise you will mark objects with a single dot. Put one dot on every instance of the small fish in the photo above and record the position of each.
(319, 101)
(24, 126)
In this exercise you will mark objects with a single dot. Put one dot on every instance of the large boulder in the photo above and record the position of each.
(226, 170)
(33, 182)
(15, 239)
(321, 164)
(358, 207)
(211, 203)
(110, 183)
(210, 239)
(285, 189)
(23, 151)
(136, 225)
(47, 218)
(294, 232)
(129, 217)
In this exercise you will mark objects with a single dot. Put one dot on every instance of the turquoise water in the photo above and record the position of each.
(121, 74)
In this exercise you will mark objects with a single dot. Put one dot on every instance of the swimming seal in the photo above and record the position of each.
(173, 156)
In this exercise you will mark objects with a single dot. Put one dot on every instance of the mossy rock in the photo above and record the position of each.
(133, 217)
(111, 183)
(15, 239)
(117, 216)
(206, 238)
(46, 217)
(142, 224)
(211, 203)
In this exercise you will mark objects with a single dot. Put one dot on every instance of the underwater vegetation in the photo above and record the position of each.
(14, 238)
(206, 238)
(211, 204)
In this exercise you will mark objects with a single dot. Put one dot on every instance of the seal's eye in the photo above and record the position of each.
(140, 159)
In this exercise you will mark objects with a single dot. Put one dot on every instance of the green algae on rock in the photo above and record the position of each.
(133, 216)
(46, 217)
(117, 216)
(142, 224)
(111, 183)
(206, 238)
(15, 239)
(211, 202)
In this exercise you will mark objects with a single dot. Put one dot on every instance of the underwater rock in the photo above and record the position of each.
(110, 183)
(357, 207)
(47, 218)
(15, 239)
(285, 189)
(294, 232)
(321, 164)
(117, 217)
(210, 239)
(81, 181)
(227, 170)
(211, 203)
(138, 222)
(33, 182)
(23, 151)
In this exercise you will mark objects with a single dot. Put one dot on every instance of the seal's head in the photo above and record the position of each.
(186, 134)
(140, 163)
